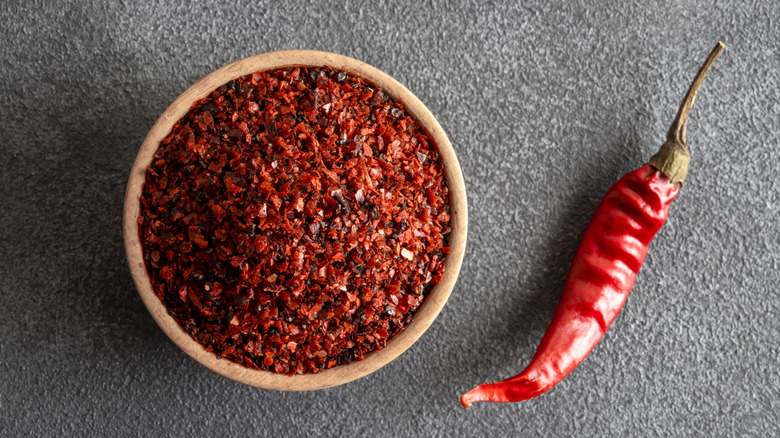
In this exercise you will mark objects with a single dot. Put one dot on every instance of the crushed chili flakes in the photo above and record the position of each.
(295, 219)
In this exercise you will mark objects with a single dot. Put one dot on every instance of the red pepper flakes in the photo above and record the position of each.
(295, 219)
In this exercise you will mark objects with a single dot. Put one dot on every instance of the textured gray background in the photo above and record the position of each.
(546, 105)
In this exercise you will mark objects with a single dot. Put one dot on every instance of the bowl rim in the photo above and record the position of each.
(396, 345)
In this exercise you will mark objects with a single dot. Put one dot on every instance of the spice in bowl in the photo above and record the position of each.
(295, 219)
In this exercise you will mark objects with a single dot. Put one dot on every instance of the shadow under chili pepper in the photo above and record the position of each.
(524, 322)
(542, 290)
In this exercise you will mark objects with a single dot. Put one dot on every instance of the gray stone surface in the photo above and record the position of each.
(546, 103)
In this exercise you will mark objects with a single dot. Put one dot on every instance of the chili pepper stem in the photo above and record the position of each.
(673, 157)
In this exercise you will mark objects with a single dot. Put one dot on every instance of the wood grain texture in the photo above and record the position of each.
(436, 298)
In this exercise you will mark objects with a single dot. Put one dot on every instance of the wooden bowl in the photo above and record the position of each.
(338, 375)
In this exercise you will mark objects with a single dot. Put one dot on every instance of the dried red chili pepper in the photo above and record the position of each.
(295, 219)
(606, 263)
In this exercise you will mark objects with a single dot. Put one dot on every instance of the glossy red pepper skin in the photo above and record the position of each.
(602, 274)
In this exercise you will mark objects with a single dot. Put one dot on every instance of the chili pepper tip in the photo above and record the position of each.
(465, 400)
